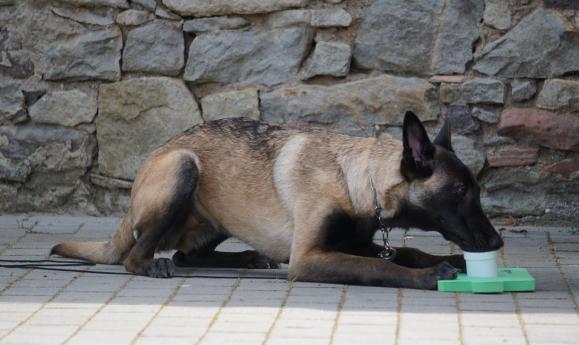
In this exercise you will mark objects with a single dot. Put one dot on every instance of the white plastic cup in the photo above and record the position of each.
(481, 265)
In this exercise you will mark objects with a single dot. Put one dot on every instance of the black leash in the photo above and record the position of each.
(84, 263)
(54, 265)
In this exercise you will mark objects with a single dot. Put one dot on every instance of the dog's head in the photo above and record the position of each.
(443, 194)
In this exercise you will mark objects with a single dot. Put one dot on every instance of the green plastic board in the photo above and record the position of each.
(508, 280)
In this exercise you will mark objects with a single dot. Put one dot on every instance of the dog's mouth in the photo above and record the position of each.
(454, 239)
(478, 249)
(472, 245)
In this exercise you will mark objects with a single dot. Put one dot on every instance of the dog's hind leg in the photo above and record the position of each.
(207, 256)
(415, 258)
(162, 202)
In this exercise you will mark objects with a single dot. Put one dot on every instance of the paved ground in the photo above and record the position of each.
(38, 307)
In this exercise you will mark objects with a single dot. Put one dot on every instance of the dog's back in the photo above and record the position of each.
(251, 173)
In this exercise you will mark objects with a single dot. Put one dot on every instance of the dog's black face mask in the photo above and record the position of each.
(443, 194)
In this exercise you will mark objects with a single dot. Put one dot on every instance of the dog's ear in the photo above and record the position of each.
(418, 151)
(443, 138)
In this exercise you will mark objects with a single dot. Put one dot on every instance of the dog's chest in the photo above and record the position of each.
(347, 233)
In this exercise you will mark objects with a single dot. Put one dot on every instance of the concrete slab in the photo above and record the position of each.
(51, 307)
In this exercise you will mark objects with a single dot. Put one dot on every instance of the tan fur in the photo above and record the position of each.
(105, 252)
(268, 197)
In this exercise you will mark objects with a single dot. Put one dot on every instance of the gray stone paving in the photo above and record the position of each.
(47, 307)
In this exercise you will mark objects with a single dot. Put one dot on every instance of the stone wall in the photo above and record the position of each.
(89, 87)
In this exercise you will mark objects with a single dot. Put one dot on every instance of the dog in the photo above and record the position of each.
(298, 195)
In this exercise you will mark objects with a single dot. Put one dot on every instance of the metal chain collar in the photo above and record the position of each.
(389, 252)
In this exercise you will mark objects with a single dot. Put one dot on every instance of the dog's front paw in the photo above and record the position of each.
(442, 271)
(161, 268)
(458, 262)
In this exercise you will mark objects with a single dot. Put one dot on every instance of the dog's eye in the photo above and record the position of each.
(460, 188)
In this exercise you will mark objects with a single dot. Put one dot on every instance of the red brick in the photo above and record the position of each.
(512, 155)
(557, 131)
(564, 168)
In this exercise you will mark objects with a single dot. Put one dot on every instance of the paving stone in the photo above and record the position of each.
(99, 337)
(553, 334)
(27, 338)
(494, 340)
(56, 318)
(26, 251)
(410, 341)
(371, 319)
(13, 236)
(166, 340)
(369, 314)
(489, 319)
(547, 304)
(475, 306)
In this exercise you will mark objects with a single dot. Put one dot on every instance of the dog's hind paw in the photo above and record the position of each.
(256, 260)
(161, 268)
(180, 259)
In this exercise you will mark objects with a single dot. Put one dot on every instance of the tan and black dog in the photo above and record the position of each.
(297, 195)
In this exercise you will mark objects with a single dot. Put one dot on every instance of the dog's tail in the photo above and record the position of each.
(105, 252)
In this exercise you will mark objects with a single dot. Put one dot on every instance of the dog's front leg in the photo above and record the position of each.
(415, 258)
(335, 267)
(312, 261)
